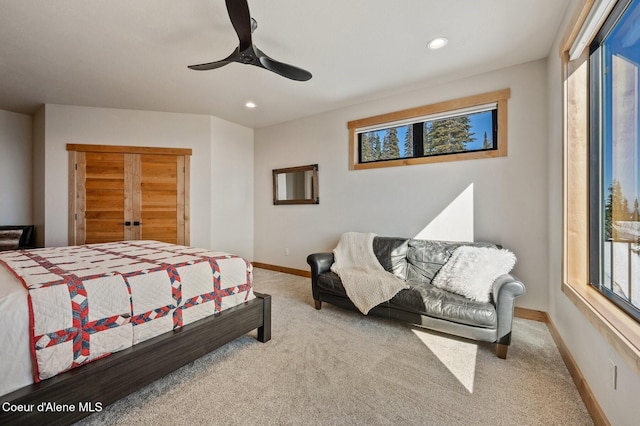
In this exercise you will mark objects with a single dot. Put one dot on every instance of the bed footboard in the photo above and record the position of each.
(78, 393)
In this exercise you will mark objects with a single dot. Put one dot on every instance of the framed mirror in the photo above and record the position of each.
(296, 185)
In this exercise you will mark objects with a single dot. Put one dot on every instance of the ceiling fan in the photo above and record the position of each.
(247, 52)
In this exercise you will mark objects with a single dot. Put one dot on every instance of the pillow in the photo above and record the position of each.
(426, 257)
(10, 239)
(471, 271)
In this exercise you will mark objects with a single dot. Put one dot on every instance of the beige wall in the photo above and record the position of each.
(231, 203)
(16, 148)
(508, 199)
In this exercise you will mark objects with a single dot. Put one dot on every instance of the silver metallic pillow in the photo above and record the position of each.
(10, 239)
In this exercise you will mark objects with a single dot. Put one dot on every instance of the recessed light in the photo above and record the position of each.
(437, 43)
(250, 104)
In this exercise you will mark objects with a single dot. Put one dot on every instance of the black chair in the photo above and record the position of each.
(15, 237)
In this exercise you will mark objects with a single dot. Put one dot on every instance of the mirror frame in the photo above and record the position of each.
(315, 198)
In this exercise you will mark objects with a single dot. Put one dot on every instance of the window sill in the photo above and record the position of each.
(622, 332)
(432, 159)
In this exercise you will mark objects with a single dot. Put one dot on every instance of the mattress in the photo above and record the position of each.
(62, 307)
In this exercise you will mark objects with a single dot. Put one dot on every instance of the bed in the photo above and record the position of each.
(167, 335)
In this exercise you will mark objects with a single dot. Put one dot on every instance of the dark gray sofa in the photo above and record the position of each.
(417, 262)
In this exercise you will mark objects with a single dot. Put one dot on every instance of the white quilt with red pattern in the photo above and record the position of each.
(88, 301)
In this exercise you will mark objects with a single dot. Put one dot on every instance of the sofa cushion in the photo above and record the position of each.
(392, 254)
(425, 299)
(426, 257)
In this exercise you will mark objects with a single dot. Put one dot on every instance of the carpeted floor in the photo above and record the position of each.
(337, 367)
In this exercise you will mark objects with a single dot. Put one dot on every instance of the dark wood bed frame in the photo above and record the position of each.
(104, 381)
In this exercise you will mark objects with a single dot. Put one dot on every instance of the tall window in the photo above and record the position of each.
(615, 158)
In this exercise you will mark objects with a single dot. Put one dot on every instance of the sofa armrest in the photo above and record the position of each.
(319, 262)
(506, 288)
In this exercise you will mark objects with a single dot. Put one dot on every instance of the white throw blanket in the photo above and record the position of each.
(366, 282)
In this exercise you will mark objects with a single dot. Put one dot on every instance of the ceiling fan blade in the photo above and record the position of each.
(233, 57)
(241, 21)
(285, 70)
(209, 65)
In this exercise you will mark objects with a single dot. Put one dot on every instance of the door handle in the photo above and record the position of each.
(136, 223)
(127, 223)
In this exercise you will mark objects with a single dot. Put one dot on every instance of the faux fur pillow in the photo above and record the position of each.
(471, 271)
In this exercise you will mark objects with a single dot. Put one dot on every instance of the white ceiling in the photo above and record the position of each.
(134, 54)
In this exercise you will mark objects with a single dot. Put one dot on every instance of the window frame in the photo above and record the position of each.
(616, 327)
(596, 192)
(498, 97)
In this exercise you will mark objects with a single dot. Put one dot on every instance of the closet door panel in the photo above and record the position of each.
(159, 198)
(105, 208)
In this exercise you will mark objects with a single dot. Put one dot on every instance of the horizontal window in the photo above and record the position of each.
(462, 129)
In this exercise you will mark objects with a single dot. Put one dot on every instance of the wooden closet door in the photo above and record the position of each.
(161, 198)
(125, 193)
